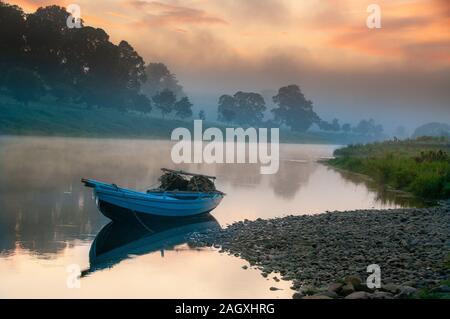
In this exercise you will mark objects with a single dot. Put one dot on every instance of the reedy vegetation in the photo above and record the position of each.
(420, 166)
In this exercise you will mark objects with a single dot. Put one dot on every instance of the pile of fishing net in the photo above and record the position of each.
(171, 181)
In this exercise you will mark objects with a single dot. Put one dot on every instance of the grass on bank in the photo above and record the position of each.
(420, 166)
(49, 117)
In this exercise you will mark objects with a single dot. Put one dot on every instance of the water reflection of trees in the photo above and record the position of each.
(383, 195)
(240, 175)
(44, 207)
(291, 176)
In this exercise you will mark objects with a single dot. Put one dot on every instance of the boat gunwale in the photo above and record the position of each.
(145, 197)
(92, 183)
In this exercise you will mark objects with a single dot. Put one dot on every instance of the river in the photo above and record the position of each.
(49, 220)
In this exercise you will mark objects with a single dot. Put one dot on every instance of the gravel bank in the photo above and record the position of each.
(410, 245)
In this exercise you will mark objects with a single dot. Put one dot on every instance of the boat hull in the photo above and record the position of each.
(132, 204)
(126, 215)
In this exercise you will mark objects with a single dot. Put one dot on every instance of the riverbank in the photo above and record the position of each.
(65, 119)
(409, 245)
(420, 167)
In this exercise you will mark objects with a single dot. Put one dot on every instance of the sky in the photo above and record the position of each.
(398, 74)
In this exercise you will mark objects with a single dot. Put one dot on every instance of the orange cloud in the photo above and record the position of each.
(32, 5)
(161, 14)
(411, 31)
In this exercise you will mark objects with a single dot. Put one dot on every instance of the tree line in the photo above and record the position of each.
(292, 109)
(40, 55)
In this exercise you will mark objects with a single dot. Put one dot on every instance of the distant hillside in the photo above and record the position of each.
(432, 129)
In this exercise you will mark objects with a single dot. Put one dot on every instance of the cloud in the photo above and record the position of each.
(162, 14)
(409, 34)
(444, 7)
(32, 5)
(258, 11)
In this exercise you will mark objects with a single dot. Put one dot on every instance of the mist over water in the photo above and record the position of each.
(49, 220)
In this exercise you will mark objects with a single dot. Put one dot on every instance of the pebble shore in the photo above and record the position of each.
(326, 255)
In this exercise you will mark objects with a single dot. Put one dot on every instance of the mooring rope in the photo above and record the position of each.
(134, 212)
(139, 220)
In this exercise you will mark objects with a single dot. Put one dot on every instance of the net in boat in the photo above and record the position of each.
(172, 181)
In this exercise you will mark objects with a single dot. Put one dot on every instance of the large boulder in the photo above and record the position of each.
(358, 295)
(347, 289)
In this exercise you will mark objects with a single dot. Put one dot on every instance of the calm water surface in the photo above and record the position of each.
(49, 221)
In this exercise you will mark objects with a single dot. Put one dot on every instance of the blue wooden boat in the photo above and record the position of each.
(154, 203)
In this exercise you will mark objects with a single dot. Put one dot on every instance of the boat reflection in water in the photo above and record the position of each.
(118, 241)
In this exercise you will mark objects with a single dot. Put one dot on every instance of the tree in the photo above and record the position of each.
(183, 108)
(46, 36)
(346, 128)
(164, 101)
(25, 85)
(335, 126)
(227, 108)
(368, 128)
(159, 78)
(324, 125)
(132, 67)
(12, 43)
(201, 115)
(294, 109)
(249, 108)
(242, 108)
(142, 103)
(74, 63)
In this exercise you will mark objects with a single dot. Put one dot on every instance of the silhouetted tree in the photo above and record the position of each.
(159, 78)
(81, 64)
(227, 109)
(250, 108)
(294, 109)
(324, 125)
(335, 126)
(142, 103)
(132, 67)
(164, 101)
(12, 40)
(183, 108)
(202, 115)
(242, 108)
(47, 35)
(25, 85)
(368, 128)
(346, 128)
